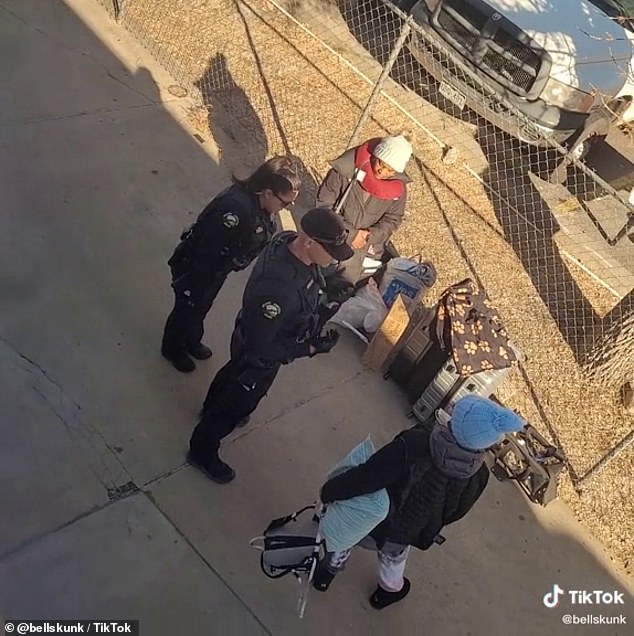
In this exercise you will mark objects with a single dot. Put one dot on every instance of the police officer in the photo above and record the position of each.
(229, 233)
(286, 303)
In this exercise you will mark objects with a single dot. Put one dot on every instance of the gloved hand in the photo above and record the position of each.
(338, 289)
(323, 344)
(327, 311)
(238, 263)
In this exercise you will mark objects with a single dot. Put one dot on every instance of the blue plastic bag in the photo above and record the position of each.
(407, 277)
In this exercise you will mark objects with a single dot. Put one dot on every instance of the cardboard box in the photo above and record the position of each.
(389, 333)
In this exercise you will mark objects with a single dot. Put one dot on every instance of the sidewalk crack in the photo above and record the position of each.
(100, 458)
(296, 405)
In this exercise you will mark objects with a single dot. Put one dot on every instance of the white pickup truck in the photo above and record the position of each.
(554, 61)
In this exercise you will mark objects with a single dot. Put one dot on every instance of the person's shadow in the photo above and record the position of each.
(238, 130)
(233, 122)
(145, 84)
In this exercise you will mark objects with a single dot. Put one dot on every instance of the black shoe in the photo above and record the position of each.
(200, 351)
(244, 421)
(216, 469)
(322, 578)
(381, 598)
(182, 362)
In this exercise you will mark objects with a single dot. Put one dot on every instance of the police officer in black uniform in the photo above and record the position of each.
(285, 305)
(229, 233)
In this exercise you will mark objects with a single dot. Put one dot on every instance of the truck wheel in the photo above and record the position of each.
(604, 119)
(581, 150)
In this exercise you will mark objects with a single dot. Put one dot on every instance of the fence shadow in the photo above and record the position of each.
(308, 176)
(530, 227)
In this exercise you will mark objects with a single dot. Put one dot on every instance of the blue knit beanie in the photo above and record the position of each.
(478, 423)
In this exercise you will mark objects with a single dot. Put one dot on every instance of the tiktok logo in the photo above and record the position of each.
(551, 599)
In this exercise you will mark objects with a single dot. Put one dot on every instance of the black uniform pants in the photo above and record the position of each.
(234, 393)
(185, 325)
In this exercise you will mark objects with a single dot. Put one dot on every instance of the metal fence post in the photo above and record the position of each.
(376, 91)
(607, 458)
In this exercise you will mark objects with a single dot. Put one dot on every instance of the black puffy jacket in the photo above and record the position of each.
(430, 484)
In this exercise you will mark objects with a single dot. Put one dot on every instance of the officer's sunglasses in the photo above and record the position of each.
(287, 204)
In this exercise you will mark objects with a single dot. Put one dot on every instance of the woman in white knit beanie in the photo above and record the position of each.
(367, 186)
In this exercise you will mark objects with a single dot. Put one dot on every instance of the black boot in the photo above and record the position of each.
(243, 422)
(322, 578)
(382, 598)
(180, 361)
(215, 468)
(200, 351)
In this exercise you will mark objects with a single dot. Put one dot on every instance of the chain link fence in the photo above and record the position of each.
(113, 7)
(548, 237)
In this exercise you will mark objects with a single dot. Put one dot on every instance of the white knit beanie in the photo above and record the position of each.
(395, 151)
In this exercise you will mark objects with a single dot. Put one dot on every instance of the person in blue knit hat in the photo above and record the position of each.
(479, 423)
(434, 473)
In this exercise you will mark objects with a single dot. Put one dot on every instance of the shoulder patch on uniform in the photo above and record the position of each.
(271, 310)
(229, 219)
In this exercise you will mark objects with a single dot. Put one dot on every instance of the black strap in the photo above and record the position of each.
(281, 521)
(306, 566)
(269, 574)
(288, 541)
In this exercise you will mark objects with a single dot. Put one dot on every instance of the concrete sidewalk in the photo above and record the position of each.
(101, 517)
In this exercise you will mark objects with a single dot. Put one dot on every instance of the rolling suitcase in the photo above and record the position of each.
(447, 386)
(411, 349)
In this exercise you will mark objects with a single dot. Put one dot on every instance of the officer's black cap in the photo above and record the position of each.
(327, 228)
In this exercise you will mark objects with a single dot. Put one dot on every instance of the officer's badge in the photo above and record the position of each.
(271, 310)
(259, 229)
(229, 220)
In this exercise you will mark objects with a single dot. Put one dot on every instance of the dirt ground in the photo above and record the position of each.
(269, 87)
